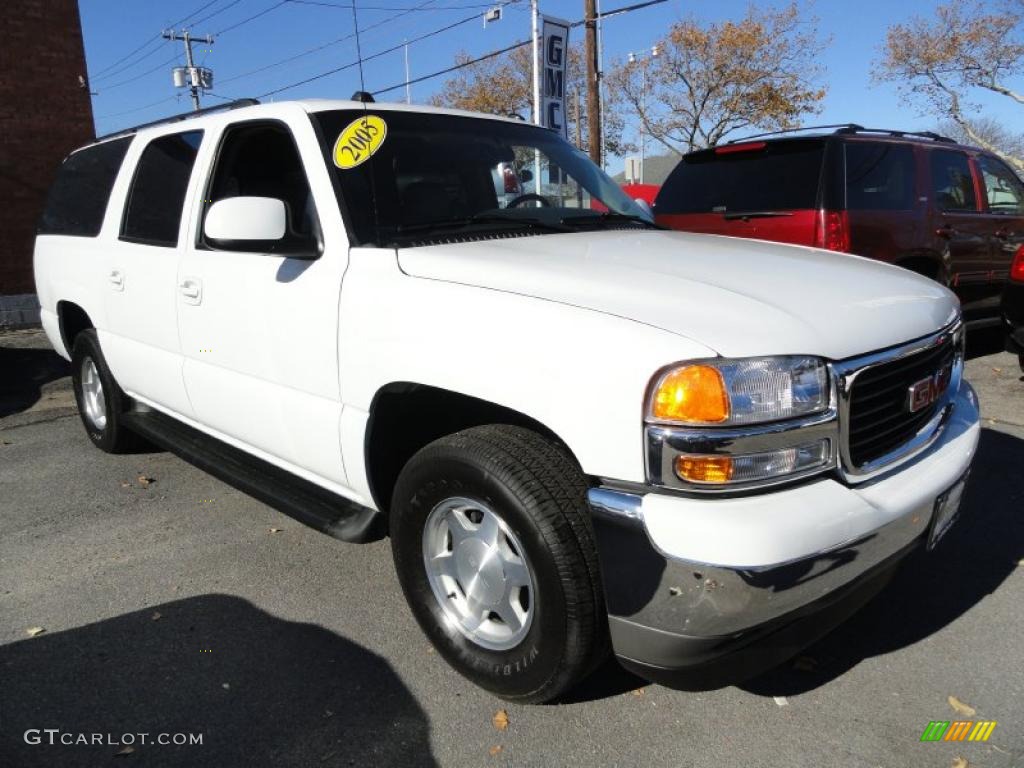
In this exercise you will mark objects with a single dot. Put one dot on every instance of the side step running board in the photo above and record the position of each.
(306, 502)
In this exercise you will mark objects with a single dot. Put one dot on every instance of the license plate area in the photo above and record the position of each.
(946, 511)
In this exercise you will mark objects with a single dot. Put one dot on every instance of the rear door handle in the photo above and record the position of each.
(116, 279)
(192, 289)
(1002, 233)
(946, 232)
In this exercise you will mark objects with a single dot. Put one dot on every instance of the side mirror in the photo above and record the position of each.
(246, 219)
(644, 206)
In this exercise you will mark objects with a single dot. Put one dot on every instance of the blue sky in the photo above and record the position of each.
(139, 88)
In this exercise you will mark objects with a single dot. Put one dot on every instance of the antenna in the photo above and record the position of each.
(359, 50)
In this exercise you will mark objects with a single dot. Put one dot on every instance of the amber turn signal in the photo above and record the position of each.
(704, 469)
(691, 394)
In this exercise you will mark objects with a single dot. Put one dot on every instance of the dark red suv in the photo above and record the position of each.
(919, 200)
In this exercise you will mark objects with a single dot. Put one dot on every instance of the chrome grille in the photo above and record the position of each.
(877, 423)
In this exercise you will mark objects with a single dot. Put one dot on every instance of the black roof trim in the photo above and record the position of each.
(236, 104)
(847, 129)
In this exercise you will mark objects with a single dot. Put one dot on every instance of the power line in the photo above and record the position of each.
(391, 7)
(455, 67)
(102, 72)
(322, 46)
(377, 55)
(265, 11)
(141, 75)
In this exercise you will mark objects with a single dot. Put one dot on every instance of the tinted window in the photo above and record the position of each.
(261, 160)
(153, 212)
(408, 178)
(78, 198)
(1003, 190)
(879, 177)
(780, 176)
(952, 185)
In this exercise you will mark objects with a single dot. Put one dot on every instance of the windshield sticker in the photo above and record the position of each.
(360, 139)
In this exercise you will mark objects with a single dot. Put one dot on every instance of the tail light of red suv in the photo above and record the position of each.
(1017, 267)
(832, 231)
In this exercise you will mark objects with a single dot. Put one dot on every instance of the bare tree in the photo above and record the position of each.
(966, 48)
(1005, 143)
(710, 81)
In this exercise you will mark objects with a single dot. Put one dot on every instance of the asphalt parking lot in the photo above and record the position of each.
(169, 602)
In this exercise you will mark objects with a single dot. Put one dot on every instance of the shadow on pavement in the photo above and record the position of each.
(23, 372)
(933, 589)
(260, 690)
(985, 341)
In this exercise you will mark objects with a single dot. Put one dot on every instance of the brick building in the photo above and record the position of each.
(44, 113)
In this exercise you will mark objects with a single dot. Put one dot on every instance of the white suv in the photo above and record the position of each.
(580, 431)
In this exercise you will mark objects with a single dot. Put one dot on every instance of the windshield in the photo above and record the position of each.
(409, 177)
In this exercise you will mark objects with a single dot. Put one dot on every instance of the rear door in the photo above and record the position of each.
(961, 232)
(885, 213)
(764, 190)
(141, 341)
(259, 330)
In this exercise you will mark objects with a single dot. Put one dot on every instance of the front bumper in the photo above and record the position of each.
(706, 591)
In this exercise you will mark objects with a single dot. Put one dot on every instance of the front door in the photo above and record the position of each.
(258, 329)
(1004, 204)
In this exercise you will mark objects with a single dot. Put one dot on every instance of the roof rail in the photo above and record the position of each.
(848, 128)
(183, 116)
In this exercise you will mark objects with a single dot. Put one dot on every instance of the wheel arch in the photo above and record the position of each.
(930, 264)
(72, 320)
(406, 416)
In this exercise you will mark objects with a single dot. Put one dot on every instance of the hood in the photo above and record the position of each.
(739, 297)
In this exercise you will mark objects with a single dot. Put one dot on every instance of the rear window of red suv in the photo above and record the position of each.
(759, 176)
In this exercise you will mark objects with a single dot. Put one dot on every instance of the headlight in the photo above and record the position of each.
(731, 392)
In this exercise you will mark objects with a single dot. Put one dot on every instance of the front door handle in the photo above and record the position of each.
(1002, 233)
(192, 289)
(945, 232)
(116, 279)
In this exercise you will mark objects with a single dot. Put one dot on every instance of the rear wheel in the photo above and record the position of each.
(101, 402)
(495, 553)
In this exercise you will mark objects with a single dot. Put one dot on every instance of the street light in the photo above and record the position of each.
(633, 59)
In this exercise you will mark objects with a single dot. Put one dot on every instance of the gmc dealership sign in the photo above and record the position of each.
(553, 56)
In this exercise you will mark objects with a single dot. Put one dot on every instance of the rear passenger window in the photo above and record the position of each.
(77, 201)
(1003, 190)
(879, 177)
(153, 213)
(952, 184)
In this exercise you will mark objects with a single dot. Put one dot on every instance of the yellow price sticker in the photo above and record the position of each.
(360, 139)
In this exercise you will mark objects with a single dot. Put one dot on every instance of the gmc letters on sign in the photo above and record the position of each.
(554, 52)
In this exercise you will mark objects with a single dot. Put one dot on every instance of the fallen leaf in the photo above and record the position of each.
(274, 530)
(782, 701)
(961, 708)
(124, 751)
(638, 691)
(156, 616)
(805, 663)
(125, 484)
(145, 482)
(495, 750)
(500, 720)
(960, 762)
(226, 686)
(997, 370)
(33, 631)
(328, 713)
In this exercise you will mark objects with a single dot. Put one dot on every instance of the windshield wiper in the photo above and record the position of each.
(482, 218)
(747, 215)
(607, 216)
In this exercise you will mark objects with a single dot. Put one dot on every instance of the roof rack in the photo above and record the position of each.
(848, 128)
(237, 103)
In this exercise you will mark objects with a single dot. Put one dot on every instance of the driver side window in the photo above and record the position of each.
(260, 159)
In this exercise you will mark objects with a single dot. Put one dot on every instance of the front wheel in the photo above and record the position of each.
(495, 553)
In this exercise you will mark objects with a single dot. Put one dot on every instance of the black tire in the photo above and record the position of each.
(537, 490)
(113, 436)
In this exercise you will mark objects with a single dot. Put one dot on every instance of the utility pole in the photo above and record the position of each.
(593, 94)
(643, 59)
(193, 76)
(408, 87)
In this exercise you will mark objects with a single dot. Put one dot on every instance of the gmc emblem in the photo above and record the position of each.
(927, 391)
